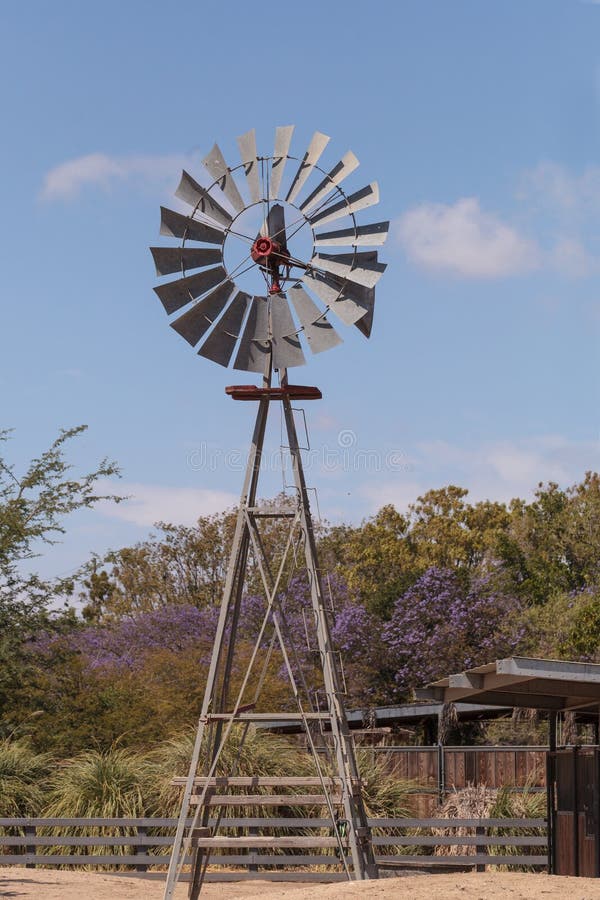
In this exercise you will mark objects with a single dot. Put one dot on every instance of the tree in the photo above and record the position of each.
(383, 557)
(553, 543)
(374, 559)
(33, 507)
(441, 626)
(179, 564)
(449, 532)
(567, 626)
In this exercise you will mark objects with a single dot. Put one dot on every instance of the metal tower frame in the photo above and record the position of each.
(265, 333)
(215, 720)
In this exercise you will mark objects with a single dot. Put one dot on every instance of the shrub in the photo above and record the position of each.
(23, 774)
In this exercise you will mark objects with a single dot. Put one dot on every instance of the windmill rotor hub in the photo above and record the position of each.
(264, 247)
(272, 255)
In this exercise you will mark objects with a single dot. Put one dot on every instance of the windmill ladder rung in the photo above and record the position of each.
(267, 717)
(265, 799)
(261, 781)
(264, 841)
(271, 512)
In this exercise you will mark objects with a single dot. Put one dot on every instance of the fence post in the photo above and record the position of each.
(253, 830)
(140, 849)
(550, 808)
(480, 831)
(441, 774)
(30, 848)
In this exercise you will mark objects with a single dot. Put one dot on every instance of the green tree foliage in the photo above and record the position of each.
(79, 702)
(179, 564)
(375, 559)
(524, 577)
(448, 532)
(553, 543)
(383, 557)
(33, 508)
(567, 626)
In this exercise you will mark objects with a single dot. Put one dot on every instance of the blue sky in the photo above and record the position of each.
(481, 122)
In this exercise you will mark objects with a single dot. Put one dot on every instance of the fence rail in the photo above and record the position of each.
(145, 842)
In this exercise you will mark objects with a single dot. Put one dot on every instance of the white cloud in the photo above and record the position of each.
(498, 470)
(464, 240)
(398, 492)
(69, 178)
(151, 503)
(566, 208)
(551, 185)
(571, 258)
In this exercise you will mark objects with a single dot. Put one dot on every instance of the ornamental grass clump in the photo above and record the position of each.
(111, 784)
(384, 794)
(481, 802)
(23, 775)
(470, 802)
(527, 804)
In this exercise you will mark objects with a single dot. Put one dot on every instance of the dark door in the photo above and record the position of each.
(574, 806)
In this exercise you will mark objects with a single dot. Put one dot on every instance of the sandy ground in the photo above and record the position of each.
(59, 885)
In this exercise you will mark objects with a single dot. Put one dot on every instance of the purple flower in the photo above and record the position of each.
(440, 626)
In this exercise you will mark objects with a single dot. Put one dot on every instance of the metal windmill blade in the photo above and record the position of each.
(345, 167)
(283, 139)
(191, 192)
(362, 268)
(311, 157)
(250, 161)
(233, 323)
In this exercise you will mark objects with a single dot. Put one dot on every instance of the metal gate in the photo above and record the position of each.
(574, 811)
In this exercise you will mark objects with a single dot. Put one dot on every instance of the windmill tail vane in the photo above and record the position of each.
(253, 282)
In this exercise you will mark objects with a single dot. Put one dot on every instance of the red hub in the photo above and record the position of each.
(262, 248)
(270, 254)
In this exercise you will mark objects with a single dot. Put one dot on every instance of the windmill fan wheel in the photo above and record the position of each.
(208, 305)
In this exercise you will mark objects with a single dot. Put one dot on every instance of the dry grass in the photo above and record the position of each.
(472, 802)
(481, 802)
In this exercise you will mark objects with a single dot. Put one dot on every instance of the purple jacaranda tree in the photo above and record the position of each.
(357, 634)
(127, 642)
(178, 628)
(440, 626)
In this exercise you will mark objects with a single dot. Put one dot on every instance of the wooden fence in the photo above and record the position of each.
(438, 769)
(145, 843)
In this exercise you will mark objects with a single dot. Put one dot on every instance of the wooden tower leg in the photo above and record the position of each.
(359, 835)
(216, 691)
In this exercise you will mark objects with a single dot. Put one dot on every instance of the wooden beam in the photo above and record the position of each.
(265, 799)
(260, 781)
(306, 841)
(555, 669)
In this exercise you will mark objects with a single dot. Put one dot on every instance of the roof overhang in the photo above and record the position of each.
(403, 714)
(548, 684)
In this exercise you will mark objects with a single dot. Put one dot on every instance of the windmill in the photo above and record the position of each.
(301, 281)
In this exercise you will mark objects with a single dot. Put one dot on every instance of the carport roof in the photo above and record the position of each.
(549, 684)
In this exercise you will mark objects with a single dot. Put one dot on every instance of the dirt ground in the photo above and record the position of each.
(48, 884)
